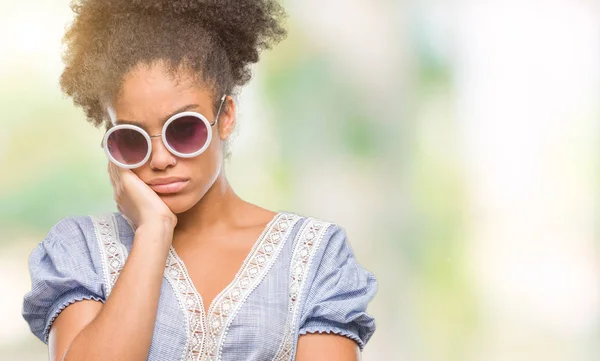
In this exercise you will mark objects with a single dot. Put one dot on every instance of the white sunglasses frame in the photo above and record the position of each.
(163, 137)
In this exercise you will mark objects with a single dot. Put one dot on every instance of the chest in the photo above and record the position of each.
(249, 324)
(235, 295)
(212, 267)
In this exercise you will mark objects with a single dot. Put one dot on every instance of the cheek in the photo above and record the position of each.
(144, 172)
(206, 167)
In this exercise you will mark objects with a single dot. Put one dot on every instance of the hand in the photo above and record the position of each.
(137, 201)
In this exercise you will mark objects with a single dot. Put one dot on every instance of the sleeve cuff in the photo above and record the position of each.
(329, 329)
(62, 303)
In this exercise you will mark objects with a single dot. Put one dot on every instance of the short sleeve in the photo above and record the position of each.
(62, 272)
(340, 292)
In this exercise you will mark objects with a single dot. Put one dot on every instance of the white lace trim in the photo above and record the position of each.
(113, 252)
(306, 244)
(206, 333)
(190, 302)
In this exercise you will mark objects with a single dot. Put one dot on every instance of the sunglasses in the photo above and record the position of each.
(185, 135)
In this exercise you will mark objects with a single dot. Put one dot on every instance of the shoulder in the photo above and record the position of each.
(72, 235)
(306, 223)
(80, 236)
(321, 246)
(69, 242)
(70, 229)
(317, 233)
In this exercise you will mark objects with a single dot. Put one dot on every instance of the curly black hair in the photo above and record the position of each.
(217, 40)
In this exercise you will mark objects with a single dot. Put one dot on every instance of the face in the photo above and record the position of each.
(148, 97)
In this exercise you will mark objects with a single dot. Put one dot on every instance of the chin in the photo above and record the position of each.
(177, 203)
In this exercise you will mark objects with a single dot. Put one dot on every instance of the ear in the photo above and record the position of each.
(227, 121)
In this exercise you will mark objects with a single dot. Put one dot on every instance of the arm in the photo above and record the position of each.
(122, 328)
(326, 347)
(334, 324)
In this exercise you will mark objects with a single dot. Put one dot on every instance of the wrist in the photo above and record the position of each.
(158, 231)
(160, 222)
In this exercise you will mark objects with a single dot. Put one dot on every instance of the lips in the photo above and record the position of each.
(168, 185)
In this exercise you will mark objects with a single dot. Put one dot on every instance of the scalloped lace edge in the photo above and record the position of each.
(333, 330)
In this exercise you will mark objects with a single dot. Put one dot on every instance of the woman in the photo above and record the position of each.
(186, 270)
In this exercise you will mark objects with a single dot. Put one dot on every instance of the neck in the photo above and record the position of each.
(217, 210)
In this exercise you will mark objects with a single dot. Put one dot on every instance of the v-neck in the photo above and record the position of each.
(207, 327)
(248, 257)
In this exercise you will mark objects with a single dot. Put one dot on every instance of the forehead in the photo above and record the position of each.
(149, 93)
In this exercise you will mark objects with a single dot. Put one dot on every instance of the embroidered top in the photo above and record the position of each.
(300, 277)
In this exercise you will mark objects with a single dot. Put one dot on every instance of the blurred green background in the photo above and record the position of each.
(456, 141)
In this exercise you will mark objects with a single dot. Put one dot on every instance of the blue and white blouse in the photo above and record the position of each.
(300, 277)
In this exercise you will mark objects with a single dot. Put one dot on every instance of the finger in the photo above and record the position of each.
(121, 174)
(114, 185)
(116, 175)
(110, 174)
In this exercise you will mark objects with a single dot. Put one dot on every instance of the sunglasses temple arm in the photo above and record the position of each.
(219, 111)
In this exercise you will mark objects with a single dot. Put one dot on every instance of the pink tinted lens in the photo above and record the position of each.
(187, 134)
(127, 146)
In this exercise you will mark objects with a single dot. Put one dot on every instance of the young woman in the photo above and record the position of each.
(187, 270)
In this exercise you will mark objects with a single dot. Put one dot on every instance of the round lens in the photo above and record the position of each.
(187, 134)
(127, 146)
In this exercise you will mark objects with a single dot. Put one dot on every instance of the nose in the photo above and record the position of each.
(160, 158)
